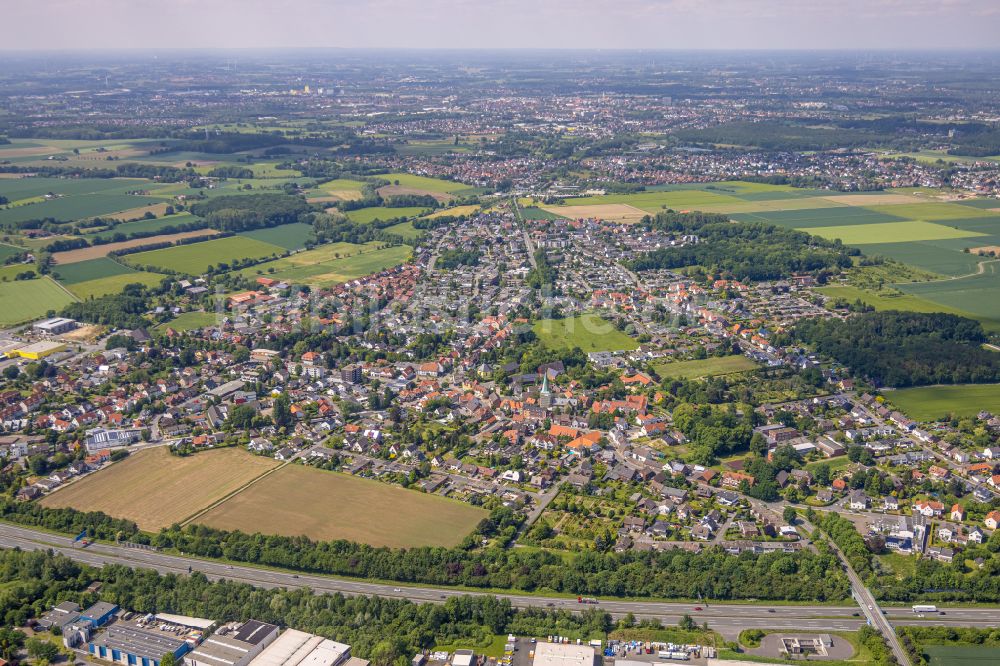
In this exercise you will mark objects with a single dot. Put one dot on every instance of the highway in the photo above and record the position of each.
(728, 619)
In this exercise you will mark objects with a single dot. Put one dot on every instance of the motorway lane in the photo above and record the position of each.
(719, 616)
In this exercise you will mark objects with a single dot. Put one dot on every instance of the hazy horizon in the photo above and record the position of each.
(107, 25)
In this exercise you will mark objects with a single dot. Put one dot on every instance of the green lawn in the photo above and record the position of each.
(927, 403)
(30, 299)
(891, 232)
(589, 332)
(195, 258)
(189, 321)
(708, 367)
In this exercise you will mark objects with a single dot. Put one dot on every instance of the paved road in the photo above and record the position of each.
(726, 618)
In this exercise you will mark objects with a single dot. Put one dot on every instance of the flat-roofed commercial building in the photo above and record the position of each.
(297, 648)
(233, 646)
(563, 654)
(55, 326)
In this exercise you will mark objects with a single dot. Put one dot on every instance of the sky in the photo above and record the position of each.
(581, 24)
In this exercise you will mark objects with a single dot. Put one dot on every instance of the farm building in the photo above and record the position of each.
(37, 350)
(233, 646)
(55, 326)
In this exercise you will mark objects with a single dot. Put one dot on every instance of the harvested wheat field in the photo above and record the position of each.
(613, 212)
(156, 489)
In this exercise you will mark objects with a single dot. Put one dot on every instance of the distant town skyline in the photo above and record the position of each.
(583, 24)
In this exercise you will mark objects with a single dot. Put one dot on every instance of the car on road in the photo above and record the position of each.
(870, 607)
(697, 607)
(770, 610)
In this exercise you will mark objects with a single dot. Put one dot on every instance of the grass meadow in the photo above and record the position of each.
(30, 299)
(707, 367)
(195, 258)
(589, 332)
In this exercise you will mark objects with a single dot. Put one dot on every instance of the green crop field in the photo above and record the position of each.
(367, 215)
(933, 211)
(926, 255)
(8, 251)
(189, 321)
(962, 655)
(928, 403)
(289, 236)
(653, 201)
(406, 230)
(589, 332)
(113, 284)
(318, 255)
(30, 299)
(978, 294)
(74, 207)
(92, 269)
(332, 264)
(808, 218)
(424, 183)
(298, 500)
(891, 232)
(195, 258)
(904, 302)
(143, 226)
(536, 213)
(707, 367)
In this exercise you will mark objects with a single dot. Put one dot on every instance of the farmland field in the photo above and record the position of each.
(298, 500)
(195, 258)
(932, 211)
(332, 263)
(75, 207)
(30, 299)
(156, 490)
(142, 226)
(535, 213)
(961, 655)
(904, 302)
(289, 236)
(454, 211)
(891, 232)
(615, 212)
(589, 332)
(92, 269)
(406, 230)
(98, 251)
(423, 183)
(113, 284)
(707, 367)
(927, 403)
(653, 201)
(372, 213)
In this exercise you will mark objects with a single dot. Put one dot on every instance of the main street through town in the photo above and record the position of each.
(728, 619)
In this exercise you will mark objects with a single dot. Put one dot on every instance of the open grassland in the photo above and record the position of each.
(903, 302)
(189, 321)
(332, 264)
(30, 299)
(113, 284)
(405, 230)
(623, 213)
(340, 189)
(891, 232)
(535, 213)
(707, 367)
(98, 251)
(156, 489)
(589, 332)
(289, 236)
(298, 500)
(928, 403)
(372, 213)
(9, 251)
(195, 258)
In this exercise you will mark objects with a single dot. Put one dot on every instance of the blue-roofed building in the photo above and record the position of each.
(99, 613)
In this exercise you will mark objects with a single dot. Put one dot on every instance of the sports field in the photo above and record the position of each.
(156, 489)
(195, 258)
(891, 232)
(30, 299)
(298, 500)
(929, 403)
(189, 321)
(589, 332)
(706, 367)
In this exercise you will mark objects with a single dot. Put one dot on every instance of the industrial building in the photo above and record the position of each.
(297, 648)
(103, 438)
(100, 613)
(55, 326)
(144, 641)
(563, 654)
(233, 645)
(37, 350)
